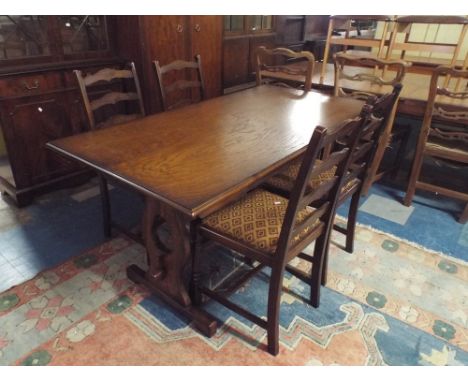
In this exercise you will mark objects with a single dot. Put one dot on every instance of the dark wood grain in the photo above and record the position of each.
(204, 155)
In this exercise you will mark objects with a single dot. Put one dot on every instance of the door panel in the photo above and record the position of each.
(207, 41)
(165, 39)
(31, 123)
(235, 61)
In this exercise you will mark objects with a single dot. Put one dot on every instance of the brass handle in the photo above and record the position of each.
(179, 28)
(31, 87)
(197, 28)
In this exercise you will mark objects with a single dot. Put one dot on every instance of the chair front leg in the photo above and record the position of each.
(274, 303)
(351, 224)
(319, 269)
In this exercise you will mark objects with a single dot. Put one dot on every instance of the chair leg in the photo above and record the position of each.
(403, 145)
(319, 270)
(105, 203)
(414, 176)
(374, 166)
(274, 302)
(351, 225)
(464, 216)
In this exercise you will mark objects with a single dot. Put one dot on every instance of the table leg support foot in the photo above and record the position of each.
(201, 320)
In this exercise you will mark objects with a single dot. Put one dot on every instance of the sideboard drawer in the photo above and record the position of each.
(28, 85)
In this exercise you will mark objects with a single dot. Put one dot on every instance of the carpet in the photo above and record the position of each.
(389, 303)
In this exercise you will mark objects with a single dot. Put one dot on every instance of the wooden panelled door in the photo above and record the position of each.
(165, 39)
(207, 41)
(170, 38)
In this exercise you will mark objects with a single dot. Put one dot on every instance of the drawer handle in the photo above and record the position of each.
(31, 87)
(197, 28)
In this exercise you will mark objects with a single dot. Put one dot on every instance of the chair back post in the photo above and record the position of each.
(307, 72)
(162, 93)
(85, 98)
(201, 77)
(381, 107)
(137, 88)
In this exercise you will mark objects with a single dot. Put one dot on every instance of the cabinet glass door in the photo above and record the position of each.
(23, 37)
(83, 34)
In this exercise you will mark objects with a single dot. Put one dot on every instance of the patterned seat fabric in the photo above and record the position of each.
(285, 180)
(256, 220)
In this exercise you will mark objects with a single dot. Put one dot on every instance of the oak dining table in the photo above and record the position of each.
(192, 161)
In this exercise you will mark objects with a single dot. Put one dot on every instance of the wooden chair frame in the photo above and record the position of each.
(108, 75)
(343, 60)
(404, 25)
(179, 85)
(452, 114)
(344, 21)
(361, 164)
(284, 74)
(359, 167)
(287, 248)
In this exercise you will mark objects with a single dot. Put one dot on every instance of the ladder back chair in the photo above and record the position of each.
(443, 135)
(422, 52)
(110, 97)
(282, 182)
(103, 94)
(272, 230)
(296, 67)
(181, 87)
(361, 78)
(345, 23)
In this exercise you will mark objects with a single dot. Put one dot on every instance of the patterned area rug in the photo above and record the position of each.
(389, 303)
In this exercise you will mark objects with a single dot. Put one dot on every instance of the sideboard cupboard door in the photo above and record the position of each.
(143, 39)
(30, 124)
(207, 41)
(165, 39)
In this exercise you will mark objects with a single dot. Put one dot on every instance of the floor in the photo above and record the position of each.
(63, 224)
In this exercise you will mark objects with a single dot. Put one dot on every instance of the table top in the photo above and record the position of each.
(200, 157)
(415, 85)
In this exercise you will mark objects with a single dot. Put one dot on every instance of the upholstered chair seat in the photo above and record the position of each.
(256, 219)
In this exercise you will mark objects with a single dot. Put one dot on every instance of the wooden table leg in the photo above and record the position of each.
(164, 276)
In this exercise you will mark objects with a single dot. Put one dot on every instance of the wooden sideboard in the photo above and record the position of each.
(39, 97)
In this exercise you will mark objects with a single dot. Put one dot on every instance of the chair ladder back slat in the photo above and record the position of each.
(180, 84)
(310, 221)
(112, 98)
(108, 75)
(272, 73)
